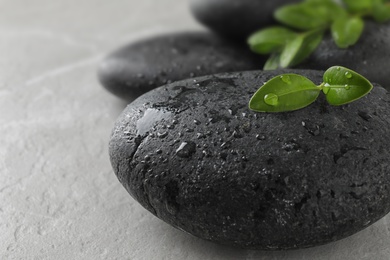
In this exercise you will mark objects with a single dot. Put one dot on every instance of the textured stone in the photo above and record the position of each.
(145, 65)
(370, 56)
(236, 19)
(194, 155)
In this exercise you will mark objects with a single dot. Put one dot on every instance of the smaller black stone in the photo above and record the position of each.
(236, 19)
(369, 56)
(144, 65)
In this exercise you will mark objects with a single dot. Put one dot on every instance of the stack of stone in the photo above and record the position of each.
(194, 155)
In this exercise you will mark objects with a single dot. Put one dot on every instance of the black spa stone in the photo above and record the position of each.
(370, 56)
(147, 64)
(194, 155)
(236, 19)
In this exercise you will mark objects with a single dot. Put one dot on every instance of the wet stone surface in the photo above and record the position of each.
(369, 57)
(145, 65)
(236, 19)
(204, 163)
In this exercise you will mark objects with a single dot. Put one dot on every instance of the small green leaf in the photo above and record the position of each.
(286, 92)
(300, 48)
(332, 9)
(270, 40)
(346, 31)
(380, 11)
(272, 62)
(343, 85)
(307, 15)
(358, 5)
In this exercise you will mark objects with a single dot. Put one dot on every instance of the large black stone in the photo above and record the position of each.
(236, 19)
(370, 56)
(145, 65)
(194, 155)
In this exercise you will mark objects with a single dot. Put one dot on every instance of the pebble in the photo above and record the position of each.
(144, 65)
(267, 181)
(370, 56)
(236, 19)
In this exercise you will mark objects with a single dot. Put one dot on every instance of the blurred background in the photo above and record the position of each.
(59, 198)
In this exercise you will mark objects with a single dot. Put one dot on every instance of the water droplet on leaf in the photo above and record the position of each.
(271, 99)
(286, 79)
(326, 88)
(348, 75)
(347, 87)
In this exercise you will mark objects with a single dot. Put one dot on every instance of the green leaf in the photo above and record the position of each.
(272, 62)
(333, 10)
(308, 15)
(300, 48)
(270, 40)
(346, 31)
(343, 85)
(358, 5)
(286, 92)
(380, 11)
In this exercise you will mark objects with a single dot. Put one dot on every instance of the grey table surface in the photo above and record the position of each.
(59, 198)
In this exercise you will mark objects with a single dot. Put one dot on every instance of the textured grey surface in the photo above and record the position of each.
(59, 198)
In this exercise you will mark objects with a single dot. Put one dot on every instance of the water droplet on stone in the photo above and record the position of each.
(199, 135)
(271, 99)
(237, 134)
(186, 149)
(291, 146)
(172, 208)
(364, 115)
(260, 137)
(348, 75)
(162, 135)
(312, 128)
(151, 117)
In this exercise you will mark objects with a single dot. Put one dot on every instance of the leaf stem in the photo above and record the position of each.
(321, 86)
